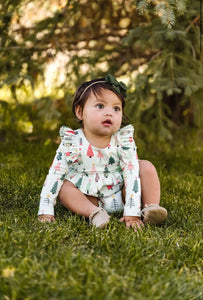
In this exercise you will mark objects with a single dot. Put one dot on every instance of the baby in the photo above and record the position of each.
(96, 170)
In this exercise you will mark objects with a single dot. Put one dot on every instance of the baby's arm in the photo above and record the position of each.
(130, 167)
(52, 185)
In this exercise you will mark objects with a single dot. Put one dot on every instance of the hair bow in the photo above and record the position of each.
(118, 86)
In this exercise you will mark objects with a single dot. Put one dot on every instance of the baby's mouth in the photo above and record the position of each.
(107, 122)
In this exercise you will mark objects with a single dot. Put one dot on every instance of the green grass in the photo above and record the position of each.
(71, 260)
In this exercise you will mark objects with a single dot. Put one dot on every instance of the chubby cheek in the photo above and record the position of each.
(93, 117)
(119, 121)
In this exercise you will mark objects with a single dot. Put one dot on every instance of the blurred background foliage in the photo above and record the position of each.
(49, 47)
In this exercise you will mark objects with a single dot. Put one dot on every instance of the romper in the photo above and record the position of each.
(101, 173)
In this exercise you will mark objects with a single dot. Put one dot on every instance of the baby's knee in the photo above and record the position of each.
(147, 168)
(66, 186)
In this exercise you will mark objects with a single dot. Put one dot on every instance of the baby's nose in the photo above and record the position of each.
(108, 113)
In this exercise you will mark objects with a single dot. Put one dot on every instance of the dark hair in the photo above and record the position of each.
(96, 87)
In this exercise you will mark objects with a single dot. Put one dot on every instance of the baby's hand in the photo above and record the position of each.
(46, 218)
(132, 221)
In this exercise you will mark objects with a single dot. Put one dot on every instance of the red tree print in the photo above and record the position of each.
(100, 155)
(90, 152)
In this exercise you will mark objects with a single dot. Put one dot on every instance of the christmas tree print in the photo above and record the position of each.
(111, 160)
(131, 202)
(114, 204)
(106, 172)
(79, 158)
(59, 156)
(135, 186)
(100, 155)
(97, 177)
(54, 188)
(46, 200)
(130, 166)
(93, 168)
(78, 183)
(88, 187)
(57, 167)
(63, 177)
(90, 152)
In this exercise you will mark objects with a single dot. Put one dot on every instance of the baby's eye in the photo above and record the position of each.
(100, 106)
(117, 108)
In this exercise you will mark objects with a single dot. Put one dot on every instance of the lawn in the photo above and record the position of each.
(71, 260)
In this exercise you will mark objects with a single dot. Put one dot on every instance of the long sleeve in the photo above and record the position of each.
(65, 155)
(130, 167)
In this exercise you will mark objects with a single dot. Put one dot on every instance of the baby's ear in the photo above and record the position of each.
(78, 112)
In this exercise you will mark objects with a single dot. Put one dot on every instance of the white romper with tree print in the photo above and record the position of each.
(96, 172)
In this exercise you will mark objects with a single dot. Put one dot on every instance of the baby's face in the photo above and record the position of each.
(101, 114)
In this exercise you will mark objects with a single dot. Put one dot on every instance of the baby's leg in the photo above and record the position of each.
(150, 190)
(149, 183)
(73, 199)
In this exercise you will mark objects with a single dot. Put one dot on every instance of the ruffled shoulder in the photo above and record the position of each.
(127, 148)
(67, 132)
(125, 136)
(69, 139)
